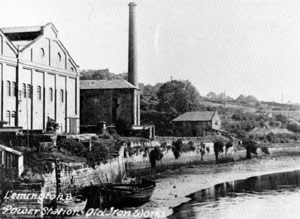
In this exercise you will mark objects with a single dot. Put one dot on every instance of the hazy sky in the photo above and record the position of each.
(240, 46)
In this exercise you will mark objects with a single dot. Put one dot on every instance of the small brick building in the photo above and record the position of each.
(109, 101)
(113, 101)
(196, 123)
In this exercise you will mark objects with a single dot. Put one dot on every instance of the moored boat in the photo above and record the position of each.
(134, 193)
(76, 204)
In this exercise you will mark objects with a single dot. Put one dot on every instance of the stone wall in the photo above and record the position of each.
(138, 165)
(285, 149)
(169, 139)
(75, 176)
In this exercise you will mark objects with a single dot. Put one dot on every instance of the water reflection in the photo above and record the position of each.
(259, 197)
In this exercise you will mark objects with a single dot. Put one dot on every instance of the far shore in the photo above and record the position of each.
(173, 186)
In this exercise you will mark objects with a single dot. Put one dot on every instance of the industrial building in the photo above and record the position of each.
(110, 101)
(39, 80)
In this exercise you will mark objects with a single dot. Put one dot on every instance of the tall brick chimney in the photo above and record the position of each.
(132, 62)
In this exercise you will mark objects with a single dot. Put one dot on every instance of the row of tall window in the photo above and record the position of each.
(61, 95)
(27, 91)
(10, 117)
(11, 88)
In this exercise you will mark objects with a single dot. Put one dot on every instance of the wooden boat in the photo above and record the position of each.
(134, 193)
(76, 204)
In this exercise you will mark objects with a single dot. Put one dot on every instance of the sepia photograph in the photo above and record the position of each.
(149, 109)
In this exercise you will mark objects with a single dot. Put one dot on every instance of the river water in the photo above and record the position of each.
(267, 196)
(263, 197)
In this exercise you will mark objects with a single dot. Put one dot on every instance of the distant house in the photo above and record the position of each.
(269, 115)
(196, 123)
(264, 113)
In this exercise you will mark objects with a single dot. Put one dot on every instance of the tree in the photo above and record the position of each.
(161, 120)
(212, 95)
(148, 103)
(251, 147)
(178, 97)
(283, 119)
(294, 127)
(102, 74)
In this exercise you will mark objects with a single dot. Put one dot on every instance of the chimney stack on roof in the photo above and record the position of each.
(132, 62)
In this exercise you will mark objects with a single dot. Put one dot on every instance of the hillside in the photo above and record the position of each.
(267, 130)
(245, 115)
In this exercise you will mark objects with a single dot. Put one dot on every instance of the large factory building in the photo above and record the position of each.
(39, 80)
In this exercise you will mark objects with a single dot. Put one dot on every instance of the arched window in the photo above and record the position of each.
(13, 118)
(51, 94)
(39, 93)
(59, 57)
(8, 88)
(28, 90)
(42, 52)
(62, 95)
(24, 90)
(13, 89)
(8, 117)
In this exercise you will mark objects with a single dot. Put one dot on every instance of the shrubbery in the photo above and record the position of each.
(278, 138)
(52, 125)
(99, 153)
(102, 149)
(283, 119)
(294, 127)
(161, 120)
(74, 147)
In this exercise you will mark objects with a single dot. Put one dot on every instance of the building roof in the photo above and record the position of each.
(22, 36)
(7, 30)
(105, 84)
(195, 116)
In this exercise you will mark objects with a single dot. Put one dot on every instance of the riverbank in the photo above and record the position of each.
(173, 186)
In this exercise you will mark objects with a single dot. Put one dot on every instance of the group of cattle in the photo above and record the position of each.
(219, 146)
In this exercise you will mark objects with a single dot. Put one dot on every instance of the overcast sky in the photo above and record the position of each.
(240, 46)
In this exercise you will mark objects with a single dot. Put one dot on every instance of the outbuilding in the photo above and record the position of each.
(196, 123)
(109, 101)
(11, 163)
